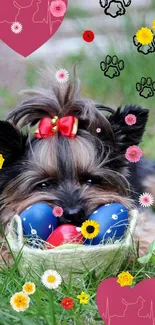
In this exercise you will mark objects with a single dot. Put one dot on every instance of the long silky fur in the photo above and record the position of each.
(69, 162)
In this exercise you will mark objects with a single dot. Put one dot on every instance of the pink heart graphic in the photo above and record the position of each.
(124, 305)
(25, 25)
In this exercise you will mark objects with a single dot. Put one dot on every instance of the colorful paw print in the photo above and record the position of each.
(144, 40)
(114, 8)
(112, 66)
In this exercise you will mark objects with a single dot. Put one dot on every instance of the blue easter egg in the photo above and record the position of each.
(113, 219)
(38, 220)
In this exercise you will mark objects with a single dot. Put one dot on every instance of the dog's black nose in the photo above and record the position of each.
(74, 215)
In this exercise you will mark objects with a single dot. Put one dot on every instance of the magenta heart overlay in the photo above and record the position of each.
(25, 25)
(124, 305)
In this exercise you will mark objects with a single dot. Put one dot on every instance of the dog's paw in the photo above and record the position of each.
(146, 87)
(112, 66)
(114, 8)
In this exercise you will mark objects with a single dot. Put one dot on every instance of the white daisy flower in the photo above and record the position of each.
(98, 130)
(51, 279)
(146, 200)
(16, 27)
(62, 75)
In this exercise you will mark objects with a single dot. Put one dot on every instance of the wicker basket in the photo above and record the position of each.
(76, 259)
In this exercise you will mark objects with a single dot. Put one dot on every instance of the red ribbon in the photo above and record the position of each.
(66, 126)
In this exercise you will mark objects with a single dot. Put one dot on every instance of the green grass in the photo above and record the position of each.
(74, 12)
(45, 307)
(31, 75)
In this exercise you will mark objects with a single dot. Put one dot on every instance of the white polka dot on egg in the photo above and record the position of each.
(24, 219)
(78, 229)
(33, 232)
(108, 231)
(49, 226)
(95, 212)
(121, 210)
(114, 216)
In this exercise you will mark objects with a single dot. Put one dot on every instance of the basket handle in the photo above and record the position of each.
(16, 235)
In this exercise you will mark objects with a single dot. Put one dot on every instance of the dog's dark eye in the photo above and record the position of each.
(46, 184)
(89, 181)
(94, 180)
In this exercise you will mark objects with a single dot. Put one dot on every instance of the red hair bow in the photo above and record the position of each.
(67, 126)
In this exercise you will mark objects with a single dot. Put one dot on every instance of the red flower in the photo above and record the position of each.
(67, 303)
(88, 36)
(130, 119)
(58, 211)
(133, 154)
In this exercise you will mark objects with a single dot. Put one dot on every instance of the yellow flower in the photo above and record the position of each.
(153, 24)
(20, 301)
(125, 279)
(1, 160)
(51, 279)
(144, 36)
(90, 229)
(29, 288)
(83, 298)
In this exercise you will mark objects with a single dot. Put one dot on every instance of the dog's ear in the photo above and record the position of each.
(127, 135)
(12, 142)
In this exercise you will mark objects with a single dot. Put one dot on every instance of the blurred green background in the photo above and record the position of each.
(67, 47)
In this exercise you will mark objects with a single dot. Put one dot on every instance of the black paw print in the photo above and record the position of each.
(145, 49)
(145, 87)
(114, 8)
(112, 66)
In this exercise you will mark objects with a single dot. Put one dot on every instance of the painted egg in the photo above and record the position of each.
(38, 220)
(65, 234)
(113, 219)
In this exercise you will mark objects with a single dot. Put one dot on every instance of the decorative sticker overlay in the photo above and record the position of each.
(28, 24)
(119, 305)
(146, 87)
(88, 36)
(112, 66)
(114, 8)
(144, 40)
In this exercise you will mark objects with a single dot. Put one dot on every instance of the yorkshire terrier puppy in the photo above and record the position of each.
(76, 158)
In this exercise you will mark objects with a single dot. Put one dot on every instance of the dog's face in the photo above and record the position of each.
(77, 174)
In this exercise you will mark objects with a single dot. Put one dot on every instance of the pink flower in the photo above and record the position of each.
(133, 154)
(58, 8)
(146, 199)
(62, 75)
(58, 211)
(98, 130)
(130, 119)
(16, 27)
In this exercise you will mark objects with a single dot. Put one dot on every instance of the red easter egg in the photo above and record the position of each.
(65, 234)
